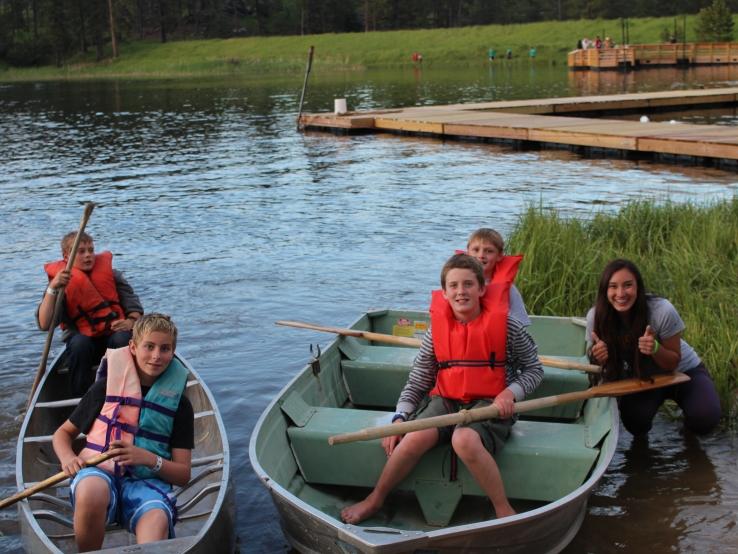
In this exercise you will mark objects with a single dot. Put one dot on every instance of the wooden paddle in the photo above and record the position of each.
(616, 388)
(53, 480)
(59, 303)
(408, 341)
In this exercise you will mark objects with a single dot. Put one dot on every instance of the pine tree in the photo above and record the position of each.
(715, 23)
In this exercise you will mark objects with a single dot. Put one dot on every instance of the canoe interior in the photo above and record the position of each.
(551, 452)
(46, 517)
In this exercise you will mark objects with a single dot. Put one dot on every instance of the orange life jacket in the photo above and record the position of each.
(91, 297)
(471, 356)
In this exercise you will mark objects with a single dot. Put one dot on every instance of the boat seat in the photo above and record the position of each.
(374, 377)
(533, 451)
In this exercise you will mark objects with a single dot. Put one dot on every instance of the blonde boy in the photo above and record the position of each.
(139, 411)
(487, 246)
(450, 374)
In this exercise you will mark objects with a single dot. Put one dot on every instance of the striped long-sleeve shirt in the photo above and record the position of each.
(523, 370)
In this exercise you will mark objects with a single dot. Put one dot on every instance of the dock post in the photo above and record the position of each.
(304, 84)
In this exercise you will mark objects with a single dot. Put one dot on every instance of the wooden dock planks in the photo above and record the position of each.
(550, 121)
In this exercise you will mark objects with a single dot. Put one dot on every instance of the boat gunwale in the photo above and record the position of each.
(356, 531)
(25, 512)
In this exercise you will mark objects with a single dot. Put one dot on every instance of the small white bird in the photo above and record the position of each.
(644, 119)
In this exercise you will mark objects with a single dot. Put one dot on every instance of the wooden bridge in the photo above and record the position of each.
(552, 122)
(647, 55)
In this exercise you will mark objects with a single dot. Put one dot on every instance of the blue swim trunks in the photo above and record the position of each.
(131, 498)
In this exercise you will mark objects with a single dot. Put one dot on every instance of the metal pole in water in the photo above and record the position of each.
(304, 84)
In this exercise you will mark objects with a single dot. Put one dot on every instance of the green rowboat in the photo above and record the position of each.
(552, 461)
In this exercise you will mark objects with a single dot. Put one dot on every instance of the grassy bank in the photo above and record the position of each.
(465, 46)
(688, 254)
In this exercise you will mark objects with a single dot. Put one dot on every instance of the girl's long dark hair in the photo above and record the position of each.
(621, 334)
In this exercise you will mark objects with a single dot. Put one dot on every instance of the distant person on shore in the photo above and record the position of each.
(140, 412)
(586, 43)
(100, 308)
(488, 247)
(508, 53)
(598, 42)
(634, 333)
(444, 380)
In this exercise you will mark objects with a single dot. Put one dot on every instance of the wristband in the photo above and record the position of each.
(52, 292)
(399, 415)
(157, 465)
(656, 346)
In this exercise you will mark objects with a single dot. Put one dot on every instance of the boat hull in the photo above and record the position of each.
(311, 527)
(206, 505)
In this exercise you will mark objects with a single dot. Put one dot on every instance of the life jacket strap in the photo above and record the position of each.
(492, 362)
(158, 408)
(93, 321)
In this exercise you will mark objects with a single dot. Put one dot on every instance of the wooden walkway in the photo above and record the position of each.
(635, 56)
(549, 121)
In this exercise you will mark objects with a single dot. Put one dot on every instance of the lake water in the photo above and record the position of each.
(221, 214)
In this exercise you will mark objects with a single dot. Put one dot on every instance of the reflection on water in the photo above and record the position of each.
(669, 492)
(221, 214)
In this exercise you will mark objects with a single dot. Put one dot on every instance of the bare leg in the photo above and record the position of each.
(469, 447)
(404, 458)
(152, 526)
(91, 499)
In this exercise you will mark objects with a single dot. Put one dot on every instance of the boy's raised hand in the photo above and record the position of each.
(599, 349)
(61, 279)
(647, 342)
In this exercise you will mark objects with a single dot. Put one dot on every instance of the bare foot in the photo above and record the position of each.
(360, 511)
(504, 511)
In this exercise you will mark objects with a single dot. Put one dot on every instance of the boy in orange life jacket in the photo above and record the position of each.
(151, 432)
(487, 246)
(100, 308)
(473, 355)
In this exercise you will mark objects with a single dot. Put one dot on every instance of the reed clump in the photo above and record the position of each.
(687, 253)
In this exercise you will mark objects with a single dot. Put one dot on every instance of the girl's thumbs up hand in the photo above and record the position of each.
(647, 343)
(598, 350)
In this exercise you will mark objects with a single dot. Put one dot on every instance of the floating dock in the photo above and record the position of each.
(648, 55)
(552, 122)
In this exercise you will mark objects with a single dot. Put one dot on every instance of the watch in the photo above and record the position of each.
(400, 415)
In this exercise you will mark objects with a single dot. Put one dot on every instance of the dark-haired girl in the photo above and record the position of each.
(631, 333)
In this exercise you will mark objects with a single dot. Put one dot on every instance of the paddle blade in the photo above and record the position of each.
(632, 386)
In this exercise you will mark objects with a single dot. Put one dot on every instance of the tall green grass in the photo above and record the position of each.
(687, 253)
(465, 47)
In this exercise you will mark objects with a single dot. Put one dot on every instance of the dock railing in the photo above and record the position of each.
(635, 55)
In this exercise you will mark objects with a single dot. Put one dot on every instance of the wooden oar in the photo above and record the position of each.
(53, 480)
(59, 303)
(408, 341)
(616, 388)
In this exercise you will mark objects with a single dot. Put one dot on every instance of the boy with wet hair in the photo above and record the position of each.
(487, 246)
(100, 308)
(473, 355)
(138, 410)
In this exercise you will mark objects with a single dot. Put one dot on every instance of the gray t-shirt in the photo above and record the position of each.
(517, 307)
(665, 322)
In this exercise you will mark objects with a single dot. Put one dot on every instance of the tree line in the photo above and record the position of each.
(34, 32)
